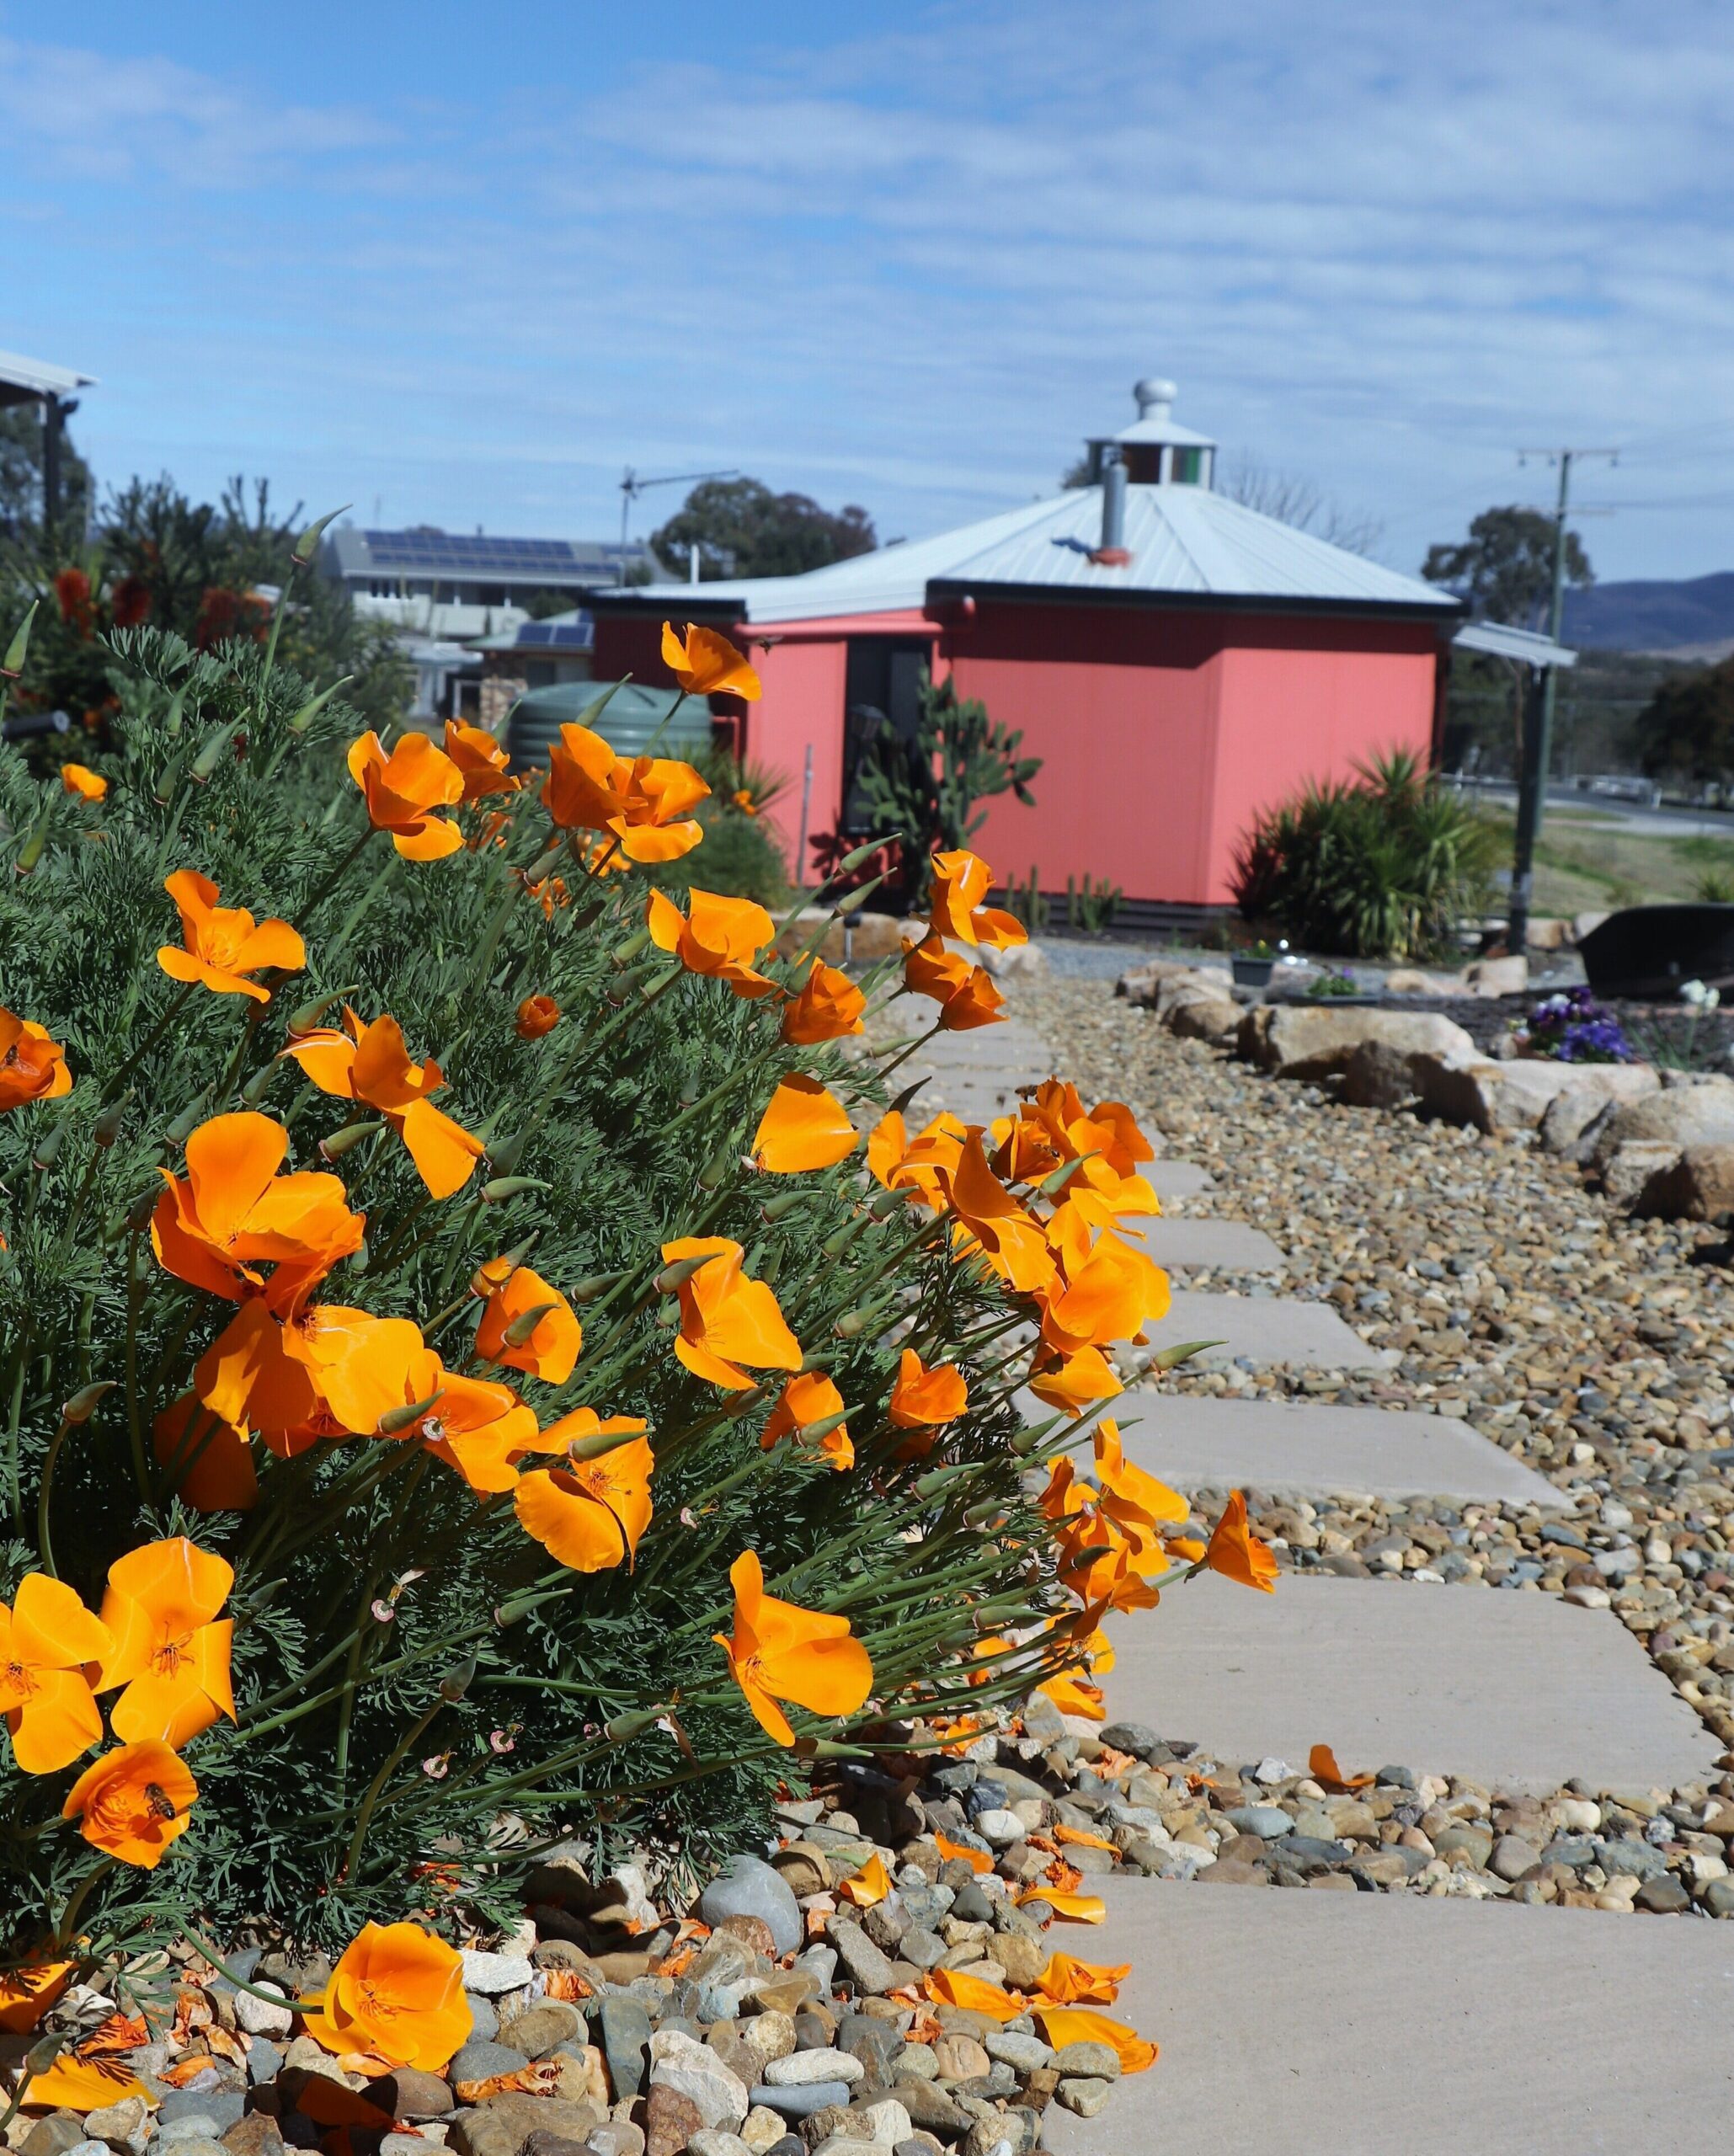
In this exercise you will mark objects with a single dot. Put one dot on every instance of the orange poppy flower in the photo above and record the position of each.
(918, 1165)
(1235, 1552)
(171, 1650)
(870, 1886)
(553, 1345)
(1106, 1290)
(922, 1398)
(960, 881)
(975, 1994)
(965, 994)
(134, 1803)
(80, 781)
(1075, 2024)
(32, 1067)
(744, 801)
(991, 1221)
(212, 1458)
(716, 937)
(233, 1211)
(588, 1514)
(706, 664)
(1073, 1383)
(224, 943)
(46, 1638)
(829, 1006)
(780, 1651)
(726, 1319)
(27, 1993)
(473, 1425)
(396, 1994)
(808, 1398)
(645, 805)
(1321, 1765)
(803, 1127)
(536, 1015)
(402, 791)
(481, 759)
(978, 1861)
(371, 1065)
(326, 1371)
(1066, 1983)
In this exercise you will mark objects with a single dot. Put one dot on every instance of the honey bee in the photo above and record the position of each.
(160, 1804)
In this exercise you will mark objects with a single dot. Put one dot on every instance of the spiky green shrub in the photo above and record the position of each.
(1385, 865)
(411, 1672)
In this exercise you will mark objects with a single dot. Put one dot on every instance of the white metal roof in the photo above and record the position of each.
(1183, 540)
(1506, 643)
(37, 378)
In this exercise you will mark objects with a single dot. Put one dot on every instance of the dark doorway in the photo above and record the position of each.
(883, 681)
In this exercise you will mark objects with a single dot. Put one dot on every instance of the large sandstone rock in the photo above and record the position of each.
(1204, 1018)
(1380, 1074)
(1698, 1186)
(1689, 1110)
(1296, 1040)
(1633, 1167)
(1506, 1096)
(1144, 983)
(870, 934)
(1495, 976)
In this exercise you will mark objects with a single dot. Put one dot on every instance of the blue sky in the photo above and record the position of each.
(466, 262)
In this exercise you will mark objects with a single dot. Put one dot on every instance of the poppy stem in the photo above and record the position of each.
(376, 1788)
(21, 1356)
(43, 1545)
(112, 1089)
(311, 905)
(903, 1055)
(69, 1915)
(135, 1429)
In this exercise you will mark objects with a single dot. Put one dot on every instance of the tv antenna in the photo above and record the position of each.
(632, 484)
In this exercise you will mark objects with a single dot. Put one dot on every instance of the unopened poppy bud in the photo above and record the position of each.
(853, 1323)
(1051, 1186)
(169, 780)
(456, 1682)
(632, 980)
(596, 1286)
(851, 862)
(654, 988)
(108, 1124)
(600, 1443)
(780, 1207)
(189, 1120)
(1170, 1358)
(360, 1257)
(84, 1403)
(42, 2055)
(840, 1239)
(396, 1420)
(812, 1433)
(855, 900)
(314, 705)
(216, 745)
(505, 1187)
(717, 1170)
(346, 1140)
(16, 651)
(624, 954)
(545, 864)
(673, 1278)
(46, 1149)
(884, 1202)
(519, 1331)
(304, 1020)
(308, 543)
(176, 712)
(257, 1086)
(138, 1217)
(32, 848)
(624, 1727)
(503, 1154)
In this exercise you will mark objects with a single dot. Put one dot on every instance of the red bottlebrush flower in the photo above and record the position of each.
(72, 591)
(226, 615)
(130, 602)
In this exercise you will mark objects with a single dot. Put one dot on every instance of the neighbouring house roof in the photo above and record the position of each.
(1522, 644)
(554, 633)
(1186, 543)
(534, 564)
(23, 380)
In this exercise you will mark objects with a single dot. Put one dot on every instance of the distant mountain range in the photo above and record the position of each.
(1690, 619)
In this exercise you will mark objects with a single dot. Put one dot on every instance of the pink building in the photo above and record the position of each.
(1178, 661)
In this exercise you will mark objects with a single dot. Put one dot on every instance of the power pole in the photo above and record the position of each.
(1539, 715)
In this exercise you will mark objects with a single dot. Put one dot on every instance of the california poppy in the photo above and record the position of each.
(1235, 1552)
(590, 1513)
(809, 1397)
(803, 1127)
(536, 1015)
(32, 1067)
(397, 1994)
(869, 1886)
(46, 1638)
(965, 994)
(645, 806)
(919, 1164)
(473, 1424)
(232, 1212)
(324, 1371)
(1073, 1382)
(716, 937)
(828, 1007)
(83, 783)
(975, 1994)
(224, 944)
(1106, 1289)
(26, 1994)
(403, 790)
(171, 1650)
(960, 881)
(1076, 2024)
(991, 1219)
(1067, 1983)
(923, 1398)
(134, 1803)
(726, 1319)
(706, 664)
(210, 1457)
(481, 759)
(552, 1345)
(370, 1064)
(781, 1652)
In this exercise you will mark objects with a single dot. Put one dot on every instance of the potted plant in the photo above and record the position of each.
(1252, 965)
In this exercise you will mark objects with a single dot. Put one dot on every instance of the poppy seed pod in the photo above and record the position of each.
(346, 1140)
(397, 1420)
(505, 1187)
(210, 753)
(19, 649)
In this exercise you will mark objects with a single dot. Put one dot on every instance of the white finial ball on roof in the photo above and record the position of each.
(1155, 396)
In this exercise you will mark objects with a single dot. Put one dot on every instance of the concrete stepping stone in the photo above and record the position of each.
(1317, 1453)
(1175, 1180)
(1519, 1692)
(1344, 2022)
(1266, 1330)
(976, 1075)
(1182, 1239)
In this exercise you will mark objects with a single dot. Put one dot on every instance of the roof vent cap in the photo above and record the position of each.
(1155, 396)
